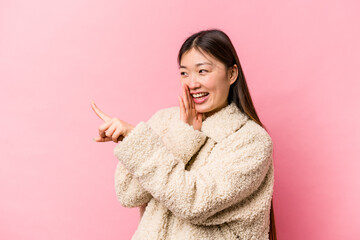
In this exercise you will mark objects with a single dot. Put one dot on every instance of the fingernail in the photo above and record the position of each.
(93, 139)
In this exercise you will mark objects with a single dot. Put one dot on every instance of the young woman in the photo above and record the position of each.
(203, 169)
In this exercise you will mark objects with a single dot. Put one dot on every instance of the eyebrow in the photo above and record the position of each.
(198, 64)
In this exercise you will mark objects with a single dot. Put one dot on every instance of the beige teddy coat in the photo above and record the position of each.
(216, 183)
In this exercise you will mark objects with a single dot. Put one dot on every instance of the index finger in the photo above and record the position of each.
(100, 113)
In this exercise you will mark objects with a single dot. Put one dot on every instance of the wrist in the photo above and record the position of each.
(129, 130)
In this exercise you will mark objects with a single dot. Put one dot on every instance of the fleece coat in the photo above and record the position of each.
(216, 183)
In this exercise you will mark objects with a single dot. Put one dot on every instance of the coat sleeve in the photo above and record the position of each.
(128, 190)
(231, 175)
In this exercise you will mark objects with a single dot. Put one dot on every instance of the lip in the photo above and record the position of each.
(198, 101)
(197, 92)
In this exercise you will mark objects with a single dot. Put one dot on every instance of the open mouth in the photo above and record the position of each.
(199, 95)
(200, 98)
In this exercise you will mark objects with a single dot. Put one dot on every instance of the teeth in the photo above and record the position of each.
(199, 95)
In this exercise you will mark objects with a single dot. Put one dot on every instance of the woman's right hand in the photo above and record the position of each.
(113, 129)
(188, 113)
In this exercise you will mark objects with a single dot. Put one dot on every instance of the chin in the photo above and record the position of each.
(202, 109)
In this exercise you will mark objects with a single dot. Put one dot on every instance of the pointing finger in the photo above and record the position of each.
(100, 113)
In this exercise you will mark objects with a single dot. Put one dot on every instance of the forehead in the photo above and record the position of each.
(195, 58)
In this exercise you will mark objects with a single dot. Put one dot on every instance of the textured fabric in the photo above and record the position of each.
(216, 183)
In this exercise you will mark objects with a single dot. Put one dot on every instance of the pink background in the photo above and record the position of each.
(300, 58)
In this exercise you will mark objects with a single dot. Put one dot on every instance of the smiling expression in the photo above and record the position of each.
(203, 73)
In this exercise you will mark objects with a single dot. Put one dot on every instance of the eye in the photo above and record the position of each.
(203, 70)
(182, 73)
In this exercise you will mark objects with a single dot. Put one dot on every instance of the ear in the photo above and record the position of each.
(233, 73)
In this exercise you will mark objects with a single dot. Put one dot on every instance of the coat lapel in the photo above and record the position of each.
(224, 122)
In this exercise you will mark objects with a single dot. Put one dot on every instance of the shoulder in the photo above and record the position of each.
(164, 114)
(253, 128)
(161, 118)
(166, 111)
(252, 136)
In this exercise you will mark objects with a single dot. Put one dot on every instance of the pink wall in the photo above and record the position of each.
(301, 60)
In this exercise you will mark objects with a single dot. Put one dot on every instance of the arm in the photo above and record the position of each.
(128, 190)
(229, 177)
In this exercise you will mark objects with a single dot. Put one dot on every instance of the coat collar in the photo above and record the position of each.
(224, 122)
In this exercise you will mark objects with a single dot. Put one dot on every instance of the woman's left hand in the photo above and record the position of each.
(113, 129)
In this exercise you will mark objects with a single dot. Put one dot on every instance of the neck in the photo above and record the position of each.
(208, 114)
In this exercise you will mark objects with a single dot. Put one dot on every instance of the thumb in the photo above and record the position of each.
(200, 117)
(102, 139)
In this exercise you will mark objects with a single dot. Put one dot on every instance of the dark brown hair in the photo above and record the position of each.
(218, 45)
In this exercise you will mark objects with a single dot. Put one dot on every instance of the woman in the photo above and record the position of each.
(203, 169)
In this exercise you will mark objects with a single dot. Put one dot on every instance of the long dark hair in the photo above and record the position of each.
(218, 45)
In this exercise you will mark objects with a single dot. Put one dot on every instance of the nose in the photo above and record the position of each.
(193, 83)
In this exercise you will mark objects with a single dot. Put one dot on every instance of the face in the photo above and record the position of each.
(205, 74)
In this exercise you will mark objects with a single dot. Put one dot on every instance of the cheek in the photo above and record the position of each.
(216, 86)
(210, 84)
